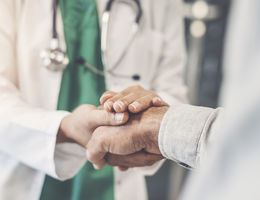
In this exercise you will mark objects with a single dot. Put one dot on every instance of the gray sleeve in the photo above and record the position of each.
(184, 132)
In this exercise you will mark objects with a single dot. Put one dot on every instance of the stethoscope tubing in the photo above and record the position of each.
(104, 37)
(104, 32)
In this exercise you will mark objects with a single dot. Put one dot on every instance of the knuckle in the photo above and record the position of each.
(149, 100)
(139, 101)
(108, 93)
(138, 87)
(90, 153)
(152, 92)
(90, 156)
(116, 97)
(125, 101)
(132, 87)
(141, 104)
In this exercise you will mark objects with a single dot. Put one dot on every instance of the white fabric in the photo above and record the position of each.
(184, 132)
(29, 92)
(230, 171)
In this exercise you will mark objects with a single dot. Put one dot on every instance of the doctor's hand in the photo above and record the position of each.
(79, 125)
(134, 99)
(134, 144)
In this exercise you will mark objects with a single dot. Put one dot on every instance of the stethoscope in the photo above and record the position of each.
(55, 59)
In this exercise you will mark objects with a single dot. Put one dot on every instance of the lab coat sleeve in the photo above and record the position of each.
(186, 131)
(169, 77)
(28, 133)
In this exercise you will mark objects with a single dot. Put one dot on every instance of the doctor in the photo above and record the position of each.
(37, 97)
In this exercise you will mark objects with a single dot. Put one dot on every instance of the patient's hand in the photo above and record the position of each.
(134, 99)
(134, 144)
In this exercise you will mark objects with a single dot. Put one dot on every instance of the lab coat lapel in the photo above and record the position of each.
(101, 4)
(122, 17)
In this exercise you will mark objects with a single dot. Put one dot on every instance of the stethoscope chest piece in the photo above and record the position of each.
(54, 58)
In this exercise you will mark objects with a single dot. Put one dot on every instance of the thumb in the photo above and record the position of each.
(104, 118)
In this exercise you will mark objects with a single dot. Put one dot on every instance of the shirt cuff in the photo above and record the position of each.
(183, 131)
(69, 158)
(66, 159)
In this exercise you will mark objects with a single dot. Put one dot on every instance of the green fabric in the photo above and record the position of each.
(80, 86)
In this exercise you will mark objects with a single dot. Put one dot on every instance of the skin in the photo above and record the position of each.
(79, 126)
(81, 123)
(133, 99)
(133, 145)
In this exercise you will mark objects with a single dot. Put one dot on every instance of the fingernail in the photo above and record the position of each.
(158, 99)
(135, 105)
(119, 104)
(119, 117)
(105, 96)
(108, 105)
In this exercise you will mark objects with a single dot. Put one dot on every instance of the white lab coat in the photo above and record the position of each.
(29, 92)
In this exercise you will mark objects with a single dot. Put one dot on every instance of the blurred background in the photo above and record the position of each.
(205, 26)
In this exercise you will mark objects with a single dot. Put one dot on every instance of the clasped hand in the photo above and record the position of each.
(123, 132)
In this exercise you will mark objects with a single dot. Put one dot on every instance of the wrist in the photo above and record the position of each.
(152, 130)
(63, 133)
(151, 137)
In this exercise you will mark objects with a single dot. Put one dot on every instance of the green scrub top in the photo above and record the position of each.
(81, 86)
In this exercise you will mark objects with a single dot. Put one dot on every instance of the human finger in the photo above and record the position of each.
(133, 89)
(157, 101)
(103, 118)
(100, 164)
(121, 105)
(109, 104)
(139, 159)
(98, 145)
(122, 169)
(107, 95)
(110, 139)
(141, 103)
(95, 154)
